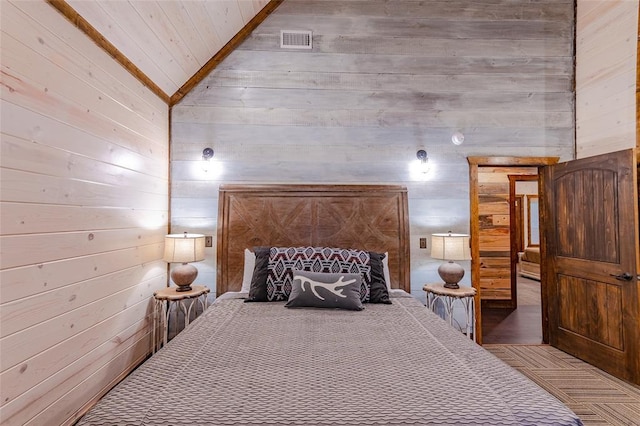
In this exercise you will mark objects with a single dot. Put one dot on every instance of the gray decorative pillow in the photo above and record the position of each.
(325, 290)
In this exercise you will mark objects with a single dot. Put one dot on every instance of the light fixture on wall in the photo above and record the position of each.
(457, 138)
(184, 248)
(450, 247)
(207, 155)
(424, 160)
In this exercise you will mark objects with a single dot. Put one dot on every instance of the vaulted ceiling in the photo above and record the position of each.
(168, 41)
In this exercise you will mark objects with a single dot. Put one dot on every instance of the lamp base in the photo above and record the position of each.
(183, 275)
(451, 273)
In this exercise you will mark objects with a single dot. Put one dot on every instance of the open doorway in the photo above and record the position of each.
(494, 265)
(520, 323)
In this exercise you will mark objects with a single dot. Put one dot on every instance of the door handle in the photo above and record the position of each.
(623, 277)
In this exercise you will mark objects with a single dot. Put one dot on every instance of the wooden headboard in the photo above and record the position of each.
(365, 217)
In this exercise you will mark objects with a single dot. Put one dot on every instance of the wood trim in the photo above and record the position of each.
(224, 52)
(512, 161)
(474, 225)
(83, 25)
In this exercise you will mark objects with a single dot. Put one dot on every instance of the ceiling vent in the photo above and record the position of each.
(293, 39)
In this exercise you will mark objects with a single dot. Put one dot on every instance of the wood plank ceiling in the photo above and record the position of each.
(168, 41)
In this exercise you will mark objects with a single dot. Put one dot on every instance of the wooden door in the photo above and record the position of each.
(590, 242)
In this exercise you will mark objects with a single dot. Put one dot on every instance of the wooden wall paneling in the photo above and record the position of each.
(228, 47)
(191, 137)
(140, 100)
(504, 82)
(248, 9)
(79, 96)
(31, 83)
(435, 10)
(19, 315)
(319, 62)
(77, 397)
(369, 118)
(26, 388)
(605, 111)
(194, 37)
(420, 102)
(47, 131)
(83, 25)
(21, 219)
(478, 28)
(84, 211)
(21, 346)
(226, 14)
(121, 24)
(383, 80)
(48, 247)
(36, 158)
(165, 27)
(202, 25)
(20, 91)
(57, 190)
(30, 280)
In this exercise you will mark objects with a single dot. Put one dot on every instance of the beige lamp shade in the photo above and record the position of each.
(450, 246)
(184, 248)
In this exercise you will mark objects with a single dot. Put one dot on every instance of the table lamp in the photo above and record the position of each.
(184, 248)
(450, 247)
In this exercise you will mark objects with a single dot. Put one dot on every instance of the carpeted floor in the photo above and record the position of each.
(595, 396)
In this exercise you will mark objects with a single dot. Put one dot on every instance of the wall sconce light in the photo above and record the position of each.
(207, 155)
(424, 160)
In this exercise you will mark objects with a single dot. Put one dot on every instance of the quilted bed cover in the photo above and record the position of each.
(264, 364)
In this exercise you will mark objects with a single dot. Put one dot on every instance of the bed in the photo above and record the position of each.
(530, 263)
(260, 363)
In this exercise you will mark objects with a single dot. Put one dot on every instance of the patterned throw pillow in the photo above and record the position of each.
(324, 290)
(283, 260)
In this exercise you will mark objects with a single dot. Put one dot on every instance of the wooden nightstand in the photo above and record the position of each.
(169, 295)
(437, 291)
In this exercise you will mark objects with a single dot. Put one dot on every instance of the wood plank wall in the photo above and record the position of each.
(606, 70)
(384, 79)
(84, 209)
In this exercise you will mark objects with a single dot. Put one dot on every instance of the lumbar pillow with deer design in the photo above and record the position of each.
(325, 290)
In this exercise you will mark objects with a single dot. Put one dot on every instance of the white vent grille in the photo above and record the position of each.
(292, 39)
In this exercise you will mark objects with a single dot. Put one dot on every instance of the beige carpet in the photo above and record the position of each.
(595, 396)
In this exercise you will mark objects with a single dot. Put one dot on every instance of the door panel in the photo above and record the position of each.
(590, 239)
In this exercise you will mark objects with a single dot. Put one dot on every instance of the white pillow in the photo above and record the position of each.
(385, 270)
(249, 265)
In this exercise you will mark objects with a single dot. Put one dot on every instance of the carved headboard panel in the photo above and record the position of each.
(365, 217)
